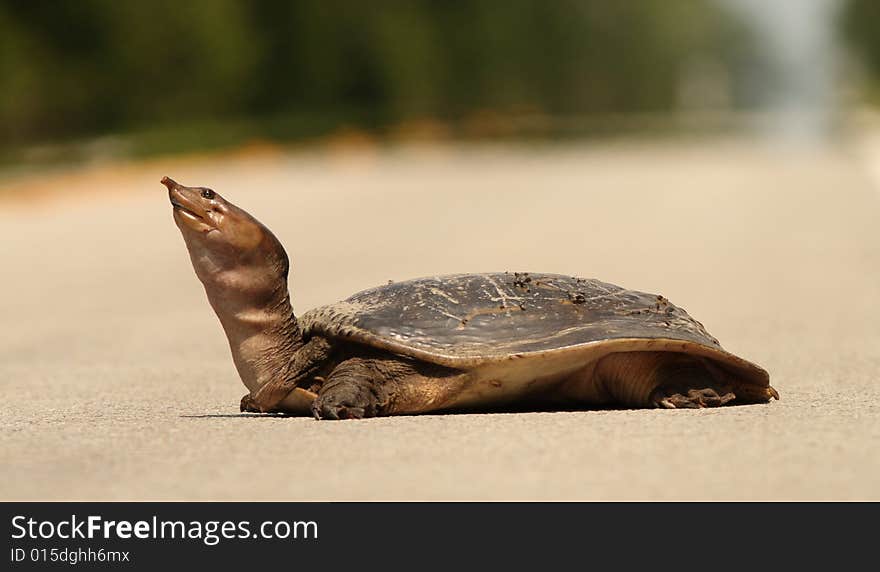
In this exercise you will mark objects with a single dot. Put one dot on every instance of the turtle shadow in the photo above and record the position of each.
(235, 416)
(454, 412)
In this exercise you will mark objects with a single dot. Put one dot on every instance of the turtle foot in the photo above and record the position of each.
(247, 405)
(344, 401)
(692, 399)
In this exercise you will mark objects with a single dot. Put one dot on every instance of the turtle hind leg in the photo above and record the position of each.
(693, 399)
(686, 383)
(661, 379)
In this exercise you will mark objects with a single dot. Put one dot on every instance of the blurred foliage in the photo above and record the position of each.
(282, 69)
(860, 21)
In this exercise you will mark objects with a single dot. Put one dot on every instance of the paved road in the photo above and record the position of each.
(117, 383)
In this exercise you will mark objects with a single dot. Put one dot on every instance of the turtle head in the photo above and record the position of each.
(243, 268)
(231, 251)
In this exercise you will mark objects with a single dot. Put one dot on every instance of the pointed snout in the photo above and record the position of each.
(170, 183)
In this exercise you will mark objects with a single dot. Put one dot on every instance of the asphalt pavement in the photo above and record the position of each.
(117, 381)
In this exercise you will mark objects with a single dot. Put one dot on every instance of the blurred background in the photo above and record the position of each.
(722, 153)
(102, 79)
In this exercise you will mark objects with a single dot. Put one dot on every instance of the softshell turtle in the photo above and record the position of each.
(456, 342)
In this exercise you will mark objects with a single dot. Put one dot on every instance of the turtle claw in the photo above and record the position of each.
(337, 412)
(248, 405)
(343, 403)
(693, 399)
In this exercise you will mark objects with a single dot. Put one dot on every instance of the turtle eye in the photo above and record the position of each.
(208, 194)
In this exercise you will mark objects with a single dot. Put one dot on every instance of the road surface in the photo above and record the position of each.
(118, 384)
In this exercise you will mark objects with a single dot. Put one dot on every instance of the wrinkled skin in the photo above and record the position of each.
(244, 270)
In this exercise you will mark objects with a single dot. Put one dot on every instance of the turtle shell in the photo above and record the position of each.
(467, 320)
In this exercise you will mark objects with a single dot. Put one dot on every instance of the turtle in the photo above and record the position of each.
(496, 341)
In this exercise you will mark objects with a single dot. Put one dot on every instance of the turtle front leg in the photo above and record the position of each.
(355, 389)
(374, 386)
(247, 404)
